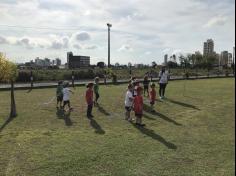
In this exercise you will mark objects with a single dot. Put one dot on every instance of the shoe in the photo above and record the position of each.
(142, 125)
(153, 111)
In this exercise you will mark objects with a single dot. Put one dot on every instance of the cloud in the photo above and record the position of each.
(60, 43)
(125, 47)
(216, 21)
(77, 46)
(82, 36)
(91, 47)
(3, 40)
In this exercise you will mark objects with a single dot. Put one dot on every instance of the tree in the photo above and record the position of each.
(154, 64)
(8, 72)
(101, 64)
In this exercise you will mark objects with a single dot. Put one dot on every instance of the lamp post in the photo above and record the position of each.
(109, 42)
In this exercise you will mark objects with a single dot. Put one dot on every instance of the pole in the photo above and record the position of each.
(109, 44)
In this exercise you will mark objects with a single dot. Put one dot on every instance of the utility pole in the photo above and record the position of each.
(109, 44)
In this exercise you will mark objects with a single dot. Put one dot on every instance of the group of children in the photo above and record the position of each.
(63, 96)
(134, 99)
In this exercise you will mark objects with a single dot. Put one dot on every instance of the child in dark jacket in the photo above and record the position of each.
(89, 100)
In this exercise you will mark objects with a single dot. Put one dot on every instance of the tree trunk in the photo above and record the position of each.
(13, 104)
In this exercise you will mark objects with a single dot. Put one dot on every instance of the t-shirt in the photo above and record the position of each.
(59, 91)
(96, 88)
(152, 95)
(128, 102)
(89, 96)
(163, 77)
(138, 104)
(66, 94)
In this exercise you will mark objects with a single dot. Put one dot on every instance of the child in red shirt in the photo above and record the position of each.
(152, 96)
(89, 100)
(138, 106)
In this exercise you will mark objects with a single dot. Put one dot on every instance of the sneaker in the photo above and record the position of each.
(142, 125)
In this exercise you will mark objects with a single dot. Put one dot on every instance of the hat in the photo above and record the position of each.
(89, 85)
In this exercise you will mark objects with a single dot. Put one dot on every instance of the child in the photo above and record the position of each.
(129, 102)
(146, 85)
(152, 96)
(138, 107)
(96, 89)
(89, 100)
(59, 94)
(66, 96)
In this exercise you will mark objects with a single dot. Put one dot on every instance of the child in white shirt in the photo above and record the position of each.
(129, 102)
(66, 96)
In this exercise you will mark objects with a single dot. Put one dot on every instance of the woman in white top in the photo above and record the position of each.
(163, 81)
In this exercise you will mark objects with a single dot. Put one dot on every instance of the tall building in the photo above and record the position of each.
(77, 61)
(224, 58)
(208, 48)
(165, 59)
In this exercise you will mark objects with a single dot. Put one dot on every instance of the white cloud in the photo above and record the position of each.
(82, 36)
(3, 40)
(125, 47)
(216, 21)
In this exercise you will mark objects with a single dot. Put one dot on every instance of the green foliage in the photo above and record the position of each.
(8, 70)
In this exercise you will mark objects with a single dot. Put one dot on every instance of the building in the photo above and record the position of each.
(56, 62)
(166, 59)
(224, 58)
(77, 61)
(208, 48)
(230, 59)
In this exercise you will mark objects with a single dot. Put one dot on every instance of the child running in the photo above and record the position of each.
(89, 100)
(96, 90)
(129, 102)
(59, 94)
(152, 96)
(66, 96)
(138, 107)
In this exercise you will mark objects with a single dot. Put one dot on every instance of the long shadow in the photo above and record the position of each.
(155, 136)
(182, 104)
(148, 117)
(102, 110)
(9, 119)
(65, 116)
(164, 117)
(96, 126)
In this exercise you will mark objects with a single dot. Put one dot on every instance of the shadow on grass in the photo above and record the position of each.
(96, 126)
(9, 119)
(182, 104)
(148, 117)
(30, 90)
(164, 117)
(155, 136)
(102, 110)
(65, 116)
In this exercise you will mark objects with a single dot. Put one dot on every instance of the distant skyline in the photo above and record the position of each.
(142, 30)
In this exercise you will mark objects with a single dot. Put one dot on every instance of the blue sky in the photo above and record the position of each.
(142, 32)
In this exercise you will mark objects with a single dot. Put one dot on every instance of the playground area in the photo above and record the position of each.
(191, 133)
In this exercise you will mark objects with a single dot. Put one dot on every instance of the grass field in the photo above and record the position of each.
(192, 134)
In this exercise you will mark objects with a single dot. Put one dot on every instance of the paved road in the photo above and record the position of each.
(83, 82)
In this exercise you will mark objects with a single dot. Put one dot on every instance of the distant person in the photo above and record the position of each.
(129, 102)
(96, 90)
(152, 96)
(89, 100)
(146, 85)
(73, 79)
(138, 107)
(163, 81)
(59, 94)
(31, 80)
(105, 79)
(66, 96)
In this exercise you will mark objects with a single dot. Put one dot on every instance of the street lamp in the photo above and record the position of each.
(109, 29)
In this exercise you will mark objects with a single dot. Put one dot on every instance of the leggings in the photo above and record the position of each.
(162, 89)
(97, 96)
(89, 110)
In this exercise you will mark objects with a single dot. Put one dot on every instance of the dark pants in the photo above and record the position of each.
(89, 110)
(162, 90)
(96, 97)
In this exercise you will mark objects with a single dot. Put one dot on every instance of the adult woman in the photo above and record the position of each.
(163, 81)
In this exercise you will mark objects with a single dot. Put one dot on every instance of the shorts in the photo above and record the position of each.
(128, 108)
(152, 102)
(145, 87)
(138, 115)
(59, 98)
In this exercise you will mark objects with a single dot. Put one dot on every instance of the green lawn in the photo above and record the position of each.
(192, 134)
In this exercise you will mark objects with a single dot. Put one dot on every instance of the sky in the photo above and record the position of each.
(142, 30)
